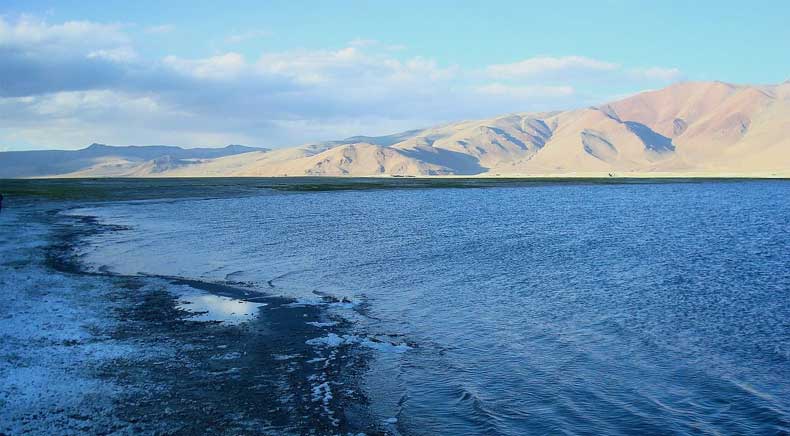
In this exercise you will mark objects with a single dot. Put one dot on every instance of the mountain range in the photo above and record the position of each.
(687, 129)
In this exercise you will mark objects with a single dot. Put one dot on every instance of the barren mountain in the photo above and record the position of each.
(99, 160)
(693, 128)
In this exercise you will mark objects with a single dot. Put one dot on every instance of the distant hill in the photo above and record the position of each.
(692, 128)
(104, 160)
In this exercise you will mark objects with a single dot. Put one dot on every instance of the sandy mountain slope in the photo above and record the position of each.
(360, 159)
(693, 128)
(688, 128)
(719, 126)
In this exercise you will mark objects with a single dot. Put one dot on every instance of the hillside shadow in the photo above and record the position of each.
(460, 163)
(653, 141)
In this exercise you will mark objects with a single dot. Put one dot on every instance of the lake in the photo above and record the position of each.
(514, 308)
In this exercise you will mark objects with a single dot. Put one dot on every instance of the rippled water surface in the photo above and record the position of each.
(648, 308)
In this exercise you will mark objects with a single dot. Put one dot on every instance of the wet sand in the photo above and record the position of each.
(173, 373)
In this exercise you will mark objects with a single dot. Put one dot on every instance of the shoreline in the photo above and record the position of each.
(602, 175)
(259, 375)
(101, 190)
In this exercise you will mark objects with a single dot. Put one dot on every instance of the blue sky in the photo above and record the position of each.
(281, 73)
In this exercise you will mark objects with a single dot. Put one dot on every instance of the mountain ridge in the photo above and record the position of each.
(689, 128)
(105, 160)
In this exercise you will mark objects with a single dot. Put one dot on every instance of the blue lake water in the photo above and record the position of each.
(563, 308)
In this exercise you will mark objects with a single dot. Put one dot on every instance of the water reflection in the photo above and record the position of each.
(208, 307)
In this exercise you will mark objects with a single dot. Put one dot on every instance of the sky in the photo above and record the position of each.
(281, 73)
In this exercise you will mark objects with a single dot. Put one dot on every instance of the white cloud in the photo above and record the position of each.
(247, 35)
(225, 66)
(74, 119)
(545, 65)
(360, 42)
(546, 69)
(308, 67)
(370, 43)
(657, 73)
(351, 65)
(37, 57)
(38, 35)
(159, 30)
(525, 92)
(119, 54)
(66, 104)
(74, 83)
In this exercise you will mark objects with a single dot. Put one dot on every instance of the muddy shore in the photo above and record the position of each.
(171, 372)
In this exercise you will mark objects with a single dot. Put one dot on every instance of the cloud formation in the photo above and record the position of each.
(70, 84)
(546, 66)
(525, 92)
(248, 35)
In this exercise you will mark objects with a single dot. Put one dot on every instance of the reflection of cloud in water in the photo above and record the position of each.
(217, 308)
